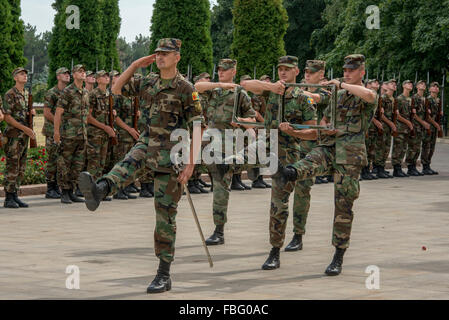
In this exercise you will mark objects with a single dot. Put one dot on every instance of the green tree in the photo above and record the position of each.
(111, 30)
(17, 32)
(36, 45)
(6, 66)
(259, 29)
(189, 21)
(222, 29)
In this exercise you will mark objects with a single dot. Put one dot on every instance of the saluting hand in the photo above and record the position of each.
(145, 61)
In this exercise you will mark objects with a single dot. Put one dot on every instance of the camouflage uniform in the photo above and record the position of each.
(75, 103)
(171, 107)
(344, 155)
(97, 139)
(16, 144)
(146, 175)
(414, 143)
(383, 143)
(299, 108)
(429, 141)
(400, 142)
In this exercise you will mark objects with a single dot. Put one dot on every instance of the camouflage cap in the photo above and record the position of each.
(203, 75)
(315, 65)
(114, 73)
(420, 81)
(101, 73)
(227, 64)
(407, 81)
(288, 61)
(18, 70)
(265, 77)
(62, 70)
(372, 81)
(168, 45)
(435, 84)
(392, 80)
(245, 78)
(90, 73)
(78, 67)
(354, 61)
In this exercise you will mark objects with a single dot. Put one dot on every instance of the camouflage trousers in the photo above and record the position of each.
(97, 150)
(428, 146)
(399, 149)
(371, 142)
(52, 162)
(279, 203)
(70, 162)
(321, 161)
(383, 146)
(167, 195)
(121, 149)
(414, 147)
(110, 159)
(16, 161)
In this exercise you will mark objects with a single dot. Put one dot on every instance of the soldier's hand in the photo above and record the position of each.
(235, 125)
(228, 86)
(30, 133)
(185, 175)
(134, 133)
(333, 81)
(110, 131)
(57, 137)
(286, 128)
(145, 61)
(329, 132)
(138, 113)
(278, 87)
(114, 113)
(426, 126)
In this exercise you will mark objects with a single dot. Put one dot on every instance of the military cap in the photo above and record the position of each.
(435, 84)
(372, 81)
(78, 67)
(420, 81)
(62, 70)
(407, 81)
(18, 70)
(354, 61)
(265, 77)
(288, 61)
(114, 73)
(201, 76)
(101, 73)
(168, 45)
(392, 80)
(245, 77)
(315, 65)
(90, 73)
(227, 64)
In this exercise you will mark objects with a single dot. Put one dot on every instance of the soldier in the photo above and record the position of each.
(371, 139)
(429, 141)
(221, 96)
(414, 142)
(90, 81)
(383, 144)
(17, 134)
(341, 151)
(404, 129)
(300, 109)
(71, 116)
(174, 105)
(51, 99)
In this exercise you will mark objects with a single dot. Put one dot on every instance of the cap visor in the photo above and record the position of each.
(286, 65)
(164, 50)
(350, 66)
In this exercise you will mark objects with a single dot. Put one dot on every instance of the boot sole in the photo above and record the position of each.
(86, 185)
(332, 274)
(292, 249)
(166, 288)
(270, 268)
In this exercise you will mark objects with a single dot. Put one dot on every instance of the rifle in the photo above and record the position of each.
(428, 113)
(438, 118)
(112, 140)
(431, 121)
(136, 111)
(33, 142)
(380, 131)
(395, 110)
(412, 114)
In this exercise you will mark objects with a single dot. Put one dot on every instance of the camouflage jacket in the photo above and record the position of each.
(387, 104)
(125, 111)
(75, 103)
(99, 106)
(171, 106)
(299, 108)
(15, 105)
(50, 101)
(259, 103)
(324, 102)
(420, 107)
(352, 121)
(434, 107)
(404, 111)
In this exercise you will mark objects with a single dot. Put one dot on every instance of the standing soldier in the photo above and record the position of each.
(90, 81)
(51, 99)
(221, 96)
(17, 133)
(420, 125)
(300, 109)
(405, 128)
(371, 139)
(71, 116)
(429, 141)
(174, 105)
(341, 151)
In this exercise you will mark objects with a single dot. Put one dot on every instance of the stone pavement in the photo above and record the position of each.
(113, 248)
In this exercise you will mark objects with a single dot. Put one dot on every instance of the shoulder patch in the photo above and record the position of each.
(195, 96)
(310, 100)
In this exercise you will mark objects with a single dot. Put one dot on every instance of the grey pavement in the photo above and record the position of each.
(113, 247)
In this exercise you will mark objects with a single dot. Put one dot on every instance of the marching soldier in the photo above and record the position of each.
(420, 125)
(371, 139)
(17, 134)
(405, 128)
(221, 96)
(341, 151)
(174, 104)
(70, 131)
(51, 99)
(300, 109)
(429, 141)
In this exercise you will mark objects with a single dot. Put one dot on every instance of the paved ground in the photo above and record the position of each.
(113, 248)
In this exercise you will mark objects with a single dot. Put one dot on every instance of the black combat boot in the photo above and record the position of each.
(253, 174)
(330, 178)
(318, 180)
(284, 175)
(129, 194)
(74, 197)
(65, 197)
(380, 173)
(57, 189)
(93, 192)
(120, 195)
(235, 185)
(9, 201)
(258, 184)
(204, 184)
(267, 185)
(198, 185)
(420, 173)
(433, 171)
(217, 237)
(52, 193)
(78, 192)
(387, 173)
(192, 188)
(295, 244)
(334, 269)
(145, 191)
(239, 179)
(273, 261)
(412, 171)
(19, 202)
(397, 171)
(426, 170)
(162, 281)
(365, 174)
(132, 188)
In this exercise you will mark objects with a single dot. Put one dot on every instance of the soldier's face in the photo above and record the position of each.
(434, 89)
(21, 77)
(354, 76)
(104, 80)
(375, 85)
(79, 75)
(267, 80)
(421, 86)
(313, 77)
(408, 86)
(392, 86)
(167, 60)
(64, 77)
(226, 75)
(90, 80)
(287, 74)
